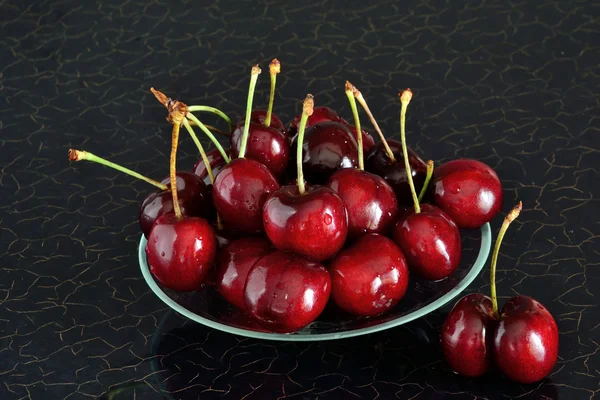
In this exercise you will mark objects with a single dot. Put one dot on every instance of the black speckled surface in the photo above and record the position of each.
(514, 84)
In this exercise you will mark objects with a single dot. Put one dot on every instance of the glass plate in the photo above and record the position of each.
(208, 308)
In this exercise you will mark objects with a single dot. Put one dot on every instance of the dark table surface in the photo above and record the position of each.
(513, 84)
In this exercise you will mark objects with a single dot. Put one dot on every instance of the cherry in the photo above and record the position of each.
(242, 187)
(369, 199)
(312, 222)
(522, 341)
(368, 142)
(320, 114)
(180, 250)
(286, 292)
(429, 239)
(215, 161)
(368, 282)
(327, 148)
(260, 117)
(469, 191)
(233, 264)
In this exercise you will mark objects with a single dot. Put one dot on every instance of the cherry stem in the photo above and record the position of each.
(274, 69)
(405, 98)
(427, 179)
(214, 111)
(190, 130)
(208, 133)
(173, 169)
(350, 94)
(358, 95)
(212, 129)
(307, 110)
(512, 215)
(79, 155)
(253, 78)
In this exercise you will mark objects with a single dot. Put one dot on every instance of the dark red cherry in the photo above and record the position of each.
(369, 277)
(267, 145)
(369, 200)
(327, 148)
(181, 252)
(233, 264)
(320, 114)
(239, 193)
(467, 190)
(467, 334)
(286, 292)
(430, 240)
(526, 340)
(194, 200)
(216, 162)
(379, 163)
(313, 224)
(259, 117)
(368, 141)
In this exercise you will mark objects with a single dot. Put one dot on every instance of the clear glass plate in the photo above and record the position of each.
(208, 308)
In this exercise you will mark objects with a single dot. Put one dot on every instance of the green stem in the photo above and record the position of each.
(512, 215)
(307, 110)
(274, 69)
(190, 130)
(78, 155)
(253, 78)
(173, 170)
(427, 179)
(358, 95)
(405, 97)
(350, 95)
(214, 111)
(210, 136)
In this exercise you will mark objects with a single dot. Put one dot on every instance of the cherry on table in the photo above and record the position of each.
(369, 277)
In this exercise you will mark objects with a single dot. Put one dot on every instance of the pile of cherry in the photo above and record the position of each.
(290, 218)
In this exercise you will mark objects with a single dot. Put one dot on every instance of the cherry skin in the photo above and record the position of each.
(194, 200)
(370, 201)
(267, 145)
(239, 193)
(369, 277)
(286, 292)
(313, 224)
(260, 116)
(526, 340)
(466, 337)
(233, 264)
(327, 148)
(216, 161)
(430, 240)
(320, 114)
(378, 162)
(181, 252)
(467, 190)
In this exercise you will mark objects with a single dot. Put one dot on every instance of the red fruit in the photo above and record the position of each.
(216, 162)
(466, 337)
(467, 190)
(286, 292)
(430, 240)
(368, 141)
(267, 145)
(313, 224)
(327, 148)
(259, 117)
(378, 162)
(526, 340)
(239, 193)
(194, 201)
(233, 264)
(370, 277)
(320, 114)
(370, 201)
(181, 252)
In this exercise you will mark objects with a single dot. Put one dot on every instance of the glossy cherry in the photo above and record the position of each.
(233, 264)
(467, 190)
(369, 277)
(216, 161)
(369, 199)
(312, 222)
(320, 114)
(286, 292)
(260, 117)
(194, 201)
(394, 172)
(327, 148)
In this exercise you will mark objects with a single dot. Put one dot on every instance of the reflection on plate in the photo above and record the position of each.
(208, 308)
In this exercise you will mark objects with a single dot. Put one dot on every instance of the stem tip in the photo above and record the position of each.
(308, 105)
(75, 155)
(514, 213)
(256, 70)
(275, 67)
(406, 95)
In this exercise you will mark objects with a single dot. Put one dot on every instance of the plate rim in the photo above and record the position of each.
(480, 261)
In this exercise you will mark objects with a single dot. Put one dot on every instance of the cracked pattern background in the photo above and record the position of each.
(514, 84)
